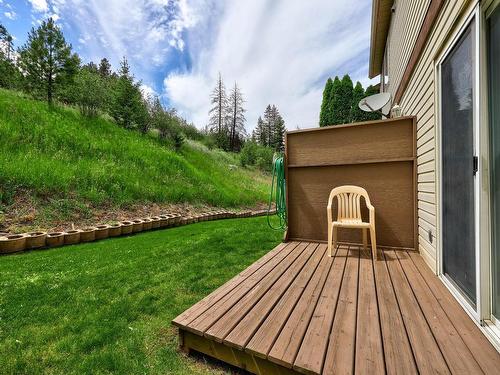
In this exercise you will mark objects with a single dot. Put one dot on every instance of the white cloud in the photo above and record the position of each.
(144, 31)
(39, 5)
(279, 52)
(147, 91)
(10, 15)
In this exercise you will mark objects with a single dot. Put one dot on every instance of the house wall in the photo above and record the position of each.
(403, 32)
(419, 100)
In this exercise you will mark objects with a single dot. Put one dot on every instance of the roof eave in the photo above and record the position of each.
(381, 20)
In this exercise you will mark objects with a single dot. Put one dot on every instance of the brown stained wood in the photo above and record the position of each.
(369, 354)
(397, 351)
(426, 352)
(389, 185)
(281, 291)
(291, 328)
(456, 353)
(360, 142)
(210, 316)
(304, 335)
(484, 353)
(342, 343)
(319, 315)
(194, 311)
(232, 357)
(220, 328)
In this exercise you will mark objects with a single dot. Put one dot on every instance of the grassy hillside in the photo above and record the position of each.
(58, 157)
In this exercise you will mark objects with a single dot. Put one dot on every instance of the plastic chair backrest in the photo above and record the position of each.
(349, 201)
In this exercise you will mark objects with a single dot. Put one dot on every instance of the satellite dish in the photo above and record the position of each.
(376, 103)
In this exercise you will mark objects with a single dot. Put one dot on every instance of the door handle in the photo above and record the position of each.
(475, 165)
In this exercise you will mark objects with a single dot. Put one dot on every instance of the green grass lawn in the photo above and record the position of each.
(106, 307)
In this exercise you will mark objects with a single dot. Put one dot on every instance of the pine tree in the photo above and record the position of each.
(333, 117)
(259, 133)
(279, 134)
(219, 114)
(6, 43)
(47, 61)
(268, 125)
(128, 107)
(323, 115)
(105, 68)
(237, 119)
(357, 94)
(10, 76)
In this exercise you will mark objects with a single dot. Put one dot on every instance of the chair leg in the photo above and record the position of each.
(373, 239)
(334, 241)
(329, 239)
(365, 240)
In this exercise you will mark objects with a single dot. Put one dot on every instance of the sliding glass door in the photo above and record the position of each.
(493, 44)
(459, 164)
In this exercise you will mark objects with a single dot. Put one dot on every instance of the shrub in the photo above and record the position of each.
(90, 93)
(253, 154)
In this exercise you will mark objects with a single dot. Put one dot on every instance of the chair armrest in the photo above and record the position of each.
(371, 210)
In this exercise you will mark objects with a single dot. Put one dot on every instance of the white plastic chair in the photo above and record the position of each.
(349, 215)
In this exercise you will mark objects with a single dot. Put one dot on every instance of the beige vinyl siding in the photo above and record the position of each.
(403, 32)
(419, 100)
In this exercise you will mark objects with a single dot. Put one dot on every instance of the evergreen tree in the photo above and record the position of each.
(128, 107)
(10, 76)
(259, 133)
(237, 119)
(219, 114)
(47, 61)
(279, 134)
(6, 43)
(344, 100)
(91, 67)
(333, 117)
(269, 115)
(323, 115)
(105, 68)
(357, 94)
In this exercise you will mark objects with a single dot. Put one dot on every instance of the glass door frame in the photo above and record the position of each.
(473, 16)
(488, 321)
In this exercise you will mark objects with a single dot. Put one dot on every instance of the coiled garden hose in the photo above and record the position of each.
(278, 189)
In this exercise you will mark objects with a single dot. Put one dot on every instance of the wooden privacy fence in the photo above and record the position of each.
(379, 156)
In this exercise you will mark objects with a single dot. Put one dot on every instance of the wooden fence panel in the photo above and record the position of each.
(379, 156)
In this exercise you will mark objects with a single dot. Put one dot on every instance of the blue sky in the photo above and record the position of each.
(279, 51)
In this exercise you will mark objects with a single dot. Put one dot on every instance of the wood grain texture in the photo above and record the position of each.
(348, 144)
(300, 311)
(378, 156)
(391, 191)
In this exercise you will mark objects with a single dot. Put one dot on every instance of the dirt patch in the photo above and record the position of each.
(29, 213)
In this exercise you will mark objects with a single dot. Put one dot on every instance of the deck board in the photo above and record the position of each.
(369, 352)
(315, 342)
(296, 310)
(398, 354)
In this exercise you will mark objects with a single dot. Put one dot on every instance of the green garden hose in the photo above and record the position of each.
(278, 189)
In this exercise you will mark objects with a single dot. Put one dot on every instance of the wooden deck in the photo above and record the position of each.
(298, 310)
